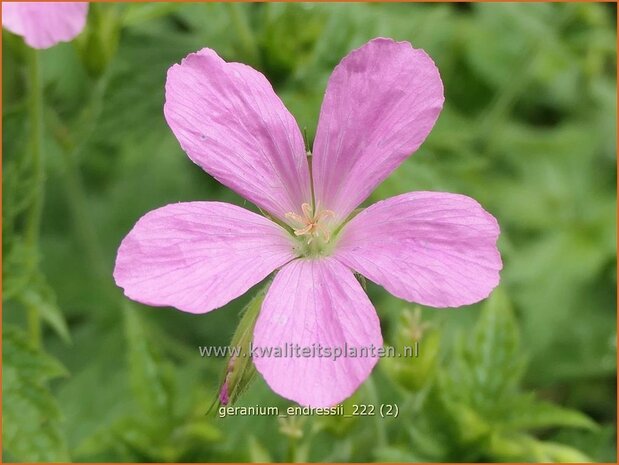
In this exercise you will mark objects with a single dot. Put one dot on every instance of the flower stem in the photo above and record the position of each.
(35, 110)
(292, 450)
(77, 199)
(381, 433)
(34, 326)
(33, 221)
(84, 226)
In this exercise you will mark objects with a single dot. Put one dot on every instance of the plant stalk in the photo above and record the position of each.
(37, 162)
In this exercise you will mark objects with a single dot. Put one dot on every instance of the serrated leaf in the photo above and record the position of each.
(482, 397)
(18, 353)
(18, 258)
(31, 419)
(489, 363)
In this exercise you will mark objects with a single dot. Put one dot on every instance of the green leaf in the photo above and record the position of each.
(553, 452)
(19, 259)
(32, 363)
(257, 452)
(522, 447)
(508, 446)
(482, 400)
(525, 412)
(417, 371)
(42, 298)
(136, 13)
(31, 418)
(202, 431)
(599, 444)
(148, 379)
(489, 362)
(288, 36)
(395, 454)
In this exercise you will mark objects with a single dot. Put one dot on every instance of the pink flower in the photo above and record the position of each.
(44, 24)
(433, 248)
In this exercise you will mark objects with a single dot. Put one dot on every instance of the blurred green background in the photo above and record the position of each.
(528, 129)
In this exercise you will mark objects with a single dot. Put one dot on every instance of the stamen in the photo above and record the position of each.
(325, 232)
(307, 210)
(306, 230)
(325, 214)
(310, 224)
(294, 217)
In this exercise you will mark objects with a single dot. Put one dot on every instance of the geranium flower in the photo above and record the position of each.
(44, 24)
(432, 248)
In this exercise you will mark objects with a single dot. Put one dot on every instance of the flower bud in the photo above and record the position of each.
(99, 42)
(240, 370)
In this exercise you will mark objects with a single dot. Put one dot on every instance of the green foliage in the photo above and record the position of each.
(156, 427)
(528, 129)
(413, 373)
(31, 418)
(41, 297)
(478, 408)
(488, 364)
(148, 379)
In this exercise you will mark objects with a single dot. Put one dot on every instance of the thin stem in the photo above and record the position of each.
(33, 221)
(381, 433)
(35, 110)
(34, 326)
(76, 193)
(84, 226)
(292, 449)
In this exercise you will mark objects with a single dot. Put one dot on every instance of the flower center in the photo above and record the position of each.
(311, 229)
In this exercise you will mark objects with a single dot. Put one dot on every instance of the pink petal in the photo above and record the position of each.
(432, 248)
(44, 24)
(381, 103)
(316, 303)
(230, 122)
(198, 256)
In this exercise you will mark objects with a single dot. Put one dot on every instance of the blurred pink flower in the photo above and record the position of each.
(433, 248)
(44, 24)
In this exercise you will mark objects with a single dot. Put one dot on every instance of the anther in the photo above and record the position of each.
(310, 224)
